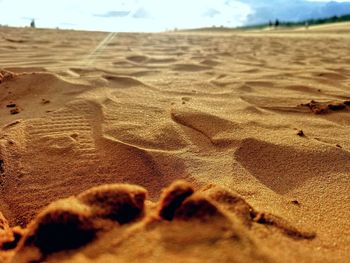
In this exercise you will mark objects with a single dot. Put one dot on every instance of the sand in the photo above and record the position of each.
(98, 128)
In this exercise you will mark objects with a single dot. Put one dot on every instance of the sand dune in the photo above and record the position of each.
(341, 28)
(256, 124)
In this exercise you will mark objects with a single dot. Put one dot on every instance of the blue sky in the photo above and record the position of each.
(160, 15)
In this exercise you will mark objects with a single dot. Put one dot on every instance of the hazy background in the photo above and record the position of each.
(160, 15)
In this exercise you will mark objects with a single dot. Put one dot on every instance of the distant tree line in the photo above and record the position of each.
(308, 22)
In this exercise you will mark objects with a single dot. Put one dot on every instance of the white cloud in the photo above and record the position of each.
(161, 14)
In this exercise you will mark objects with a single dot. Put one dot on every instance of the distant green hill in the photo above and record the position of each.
(310, 22)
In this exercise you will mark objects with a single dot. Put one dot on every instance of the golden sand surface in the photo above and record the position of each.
(97, 129)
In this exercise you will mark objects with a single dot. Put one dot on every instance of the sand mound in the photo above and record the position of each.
(213, 219)
(123, 81)
(4, 228)
(172, 199)
(29, 95)
(282, 168)
(119, 202)
(61, 226)
(215, 129)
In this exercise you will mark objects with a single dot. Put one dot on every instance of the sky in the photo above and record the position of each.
(160, 15)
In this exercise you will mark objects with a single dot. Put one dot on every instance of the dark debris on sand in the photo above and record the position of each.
(301, 133)
(326, 107)
(6, 75)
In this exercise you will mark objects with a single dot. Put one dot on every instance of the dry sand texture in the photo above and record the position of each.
(256, 124)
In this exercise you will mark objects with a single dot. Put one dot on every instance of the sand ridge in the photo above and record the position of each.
(219, 219)
(264, 116)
